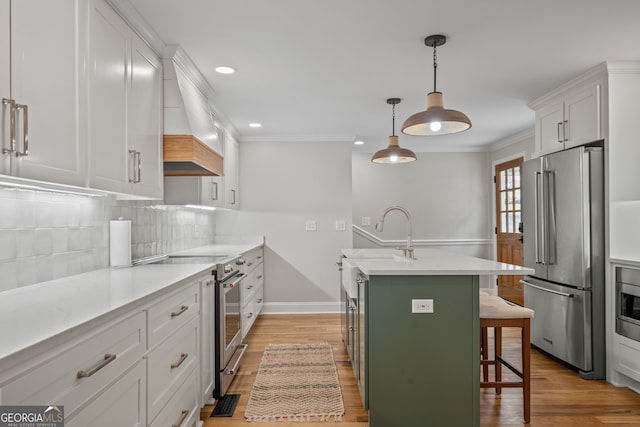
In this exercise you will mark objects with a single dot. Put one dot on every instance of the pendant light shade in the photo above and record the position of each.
(435, 120)
(393, 153)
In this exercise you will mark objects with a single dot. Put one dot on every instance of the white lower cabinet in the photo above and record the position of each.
(207, 338)
(123, 404)
(252, 288)
(183, 409)
(78, 372)
(169, 364)
(141, 368)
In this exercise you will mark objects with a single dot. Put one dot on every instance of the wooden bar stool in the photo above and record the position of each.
(496, 313)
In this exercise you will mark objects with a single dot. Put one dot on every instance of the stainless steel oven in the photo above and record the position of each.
(229, 346)
(628, 302)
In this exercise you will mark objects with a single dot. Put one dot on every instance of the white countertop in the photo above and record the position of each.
(218, 250)
(35, 313)
(382, 262)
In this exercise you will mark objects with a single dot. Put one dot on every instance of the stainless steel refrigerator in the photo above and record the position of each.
(563, 227)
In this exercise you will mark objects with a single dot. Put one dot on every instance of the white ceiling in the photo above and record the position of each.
(323, 69)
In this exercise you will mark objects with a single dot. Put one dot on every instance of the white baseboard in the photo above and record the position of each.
(301, 307)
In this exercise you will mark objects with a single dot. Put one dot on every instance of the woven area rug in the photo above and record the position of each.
(296, 382)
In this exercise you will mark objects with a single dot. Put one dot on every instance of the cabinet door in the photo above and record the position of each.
(145, 118)
(582, 115)
(5, 81)
(48, 53)
(123, 404)
(207, 341)
(231, 172)
(110, 162)
(549, 128)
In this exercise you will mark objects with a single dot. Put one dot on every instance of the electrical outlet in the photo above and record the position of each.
(341, 225)
(422, 306)
(366, 221)
(310, 225)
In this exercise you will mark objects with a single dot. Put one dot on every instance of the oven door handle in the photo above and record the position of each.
(241, 348)
(236, 280)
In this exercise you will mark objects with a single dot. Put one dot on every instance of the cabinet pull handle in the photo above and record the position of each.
(259, 301)
(183, 357)
(108, 358)
(138, 166)
(25, 130)
(249, 287)
(250, 315)
(183, 308)
(259, 256)
(249, 264)
(559, 137)
(132, 169)
(214, 190)
(12, 125)
(210, 282)
(183, 417)
(233, 192)
(564, 130)
(259, 277)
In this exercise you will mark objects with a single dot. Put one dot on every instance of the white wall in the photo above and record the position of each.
(282, 185)
(447, 194)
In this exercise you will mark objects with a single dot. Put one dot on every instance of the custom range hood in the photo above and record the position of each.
(192, 141)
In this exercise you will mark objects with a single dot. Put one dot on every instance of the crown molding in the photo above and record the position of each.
(513, 139)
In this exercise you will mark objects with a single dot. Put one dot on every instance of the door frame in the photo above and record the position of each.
(494, 238)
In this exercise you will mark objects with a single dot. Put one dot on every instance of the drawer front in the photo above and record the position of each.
(173, 312)
(248, 317)
(169, 364)
(259, 298)
(259, 274)
(248, 288)
(123, 404)
(182, 409)
(80, 371)
(252, 259)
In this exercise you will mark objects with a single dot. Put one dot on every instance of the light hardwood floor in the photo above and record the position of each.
(559, 397)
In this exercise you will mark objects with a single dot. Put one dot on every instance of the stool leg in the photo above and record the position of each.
(484, 352)
(526, 373)
(497, 336)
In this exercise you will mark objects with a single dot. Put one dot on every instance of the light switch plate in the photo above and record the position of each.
(310, 225)
(366, 221)
(341, 225)
(422, 306)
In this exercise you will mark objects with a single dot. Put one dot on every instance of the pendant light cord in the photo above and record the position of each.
(435, 66)
(393, 120)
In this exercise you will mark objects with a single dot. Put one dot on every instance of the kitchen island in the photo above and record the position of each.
(415, 334)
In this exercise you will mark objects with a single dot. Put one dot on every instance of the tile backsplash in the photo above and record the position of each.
(45, 236)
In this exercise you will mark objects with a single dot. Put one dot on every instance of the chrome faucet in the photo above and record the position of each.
(408, 251)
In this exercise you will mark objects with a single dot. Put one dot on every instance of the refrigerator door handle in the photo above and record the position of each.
(564, 294)
(551, 247)
(539, 227)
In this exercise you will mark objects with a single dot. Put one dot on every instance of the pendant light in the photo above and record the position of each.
(435, 120)
(393, 153)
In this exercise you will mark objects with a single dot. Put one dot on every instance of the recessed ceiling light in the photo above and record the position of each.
(358, 142)
(255, 125)
(225, 70)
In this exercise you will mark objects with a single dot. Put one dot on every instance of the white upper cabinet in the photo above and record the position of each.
(42, 62)
(146, 118)
(125, 124)
(568, 117)
(231, 172)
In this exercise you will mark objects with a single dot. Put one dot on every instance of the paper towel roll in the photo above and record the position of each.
(120, 243)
